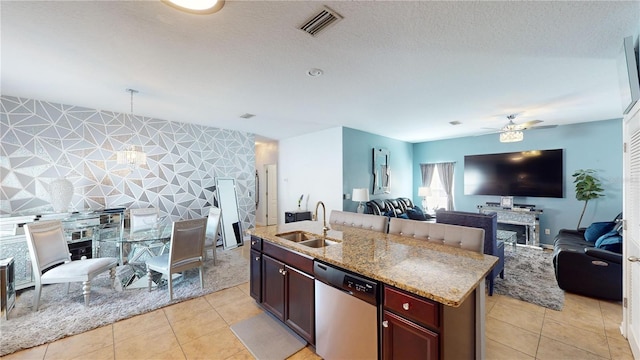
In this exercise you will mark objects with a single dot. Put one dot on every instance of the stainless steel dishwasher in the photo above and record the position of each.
(346, 314)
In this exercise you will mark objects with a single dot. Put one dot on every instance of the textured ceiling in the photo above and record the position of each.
(402, 69)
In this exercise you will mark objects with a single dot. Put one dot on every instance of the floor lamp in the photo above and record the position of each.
(360, 195)
(424, 191)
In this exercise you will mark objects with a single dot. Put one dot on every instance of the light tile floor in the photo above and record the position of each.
(199, 329)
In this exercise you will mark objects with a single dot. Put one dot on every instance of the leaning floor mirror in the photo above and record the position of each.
(230, 220)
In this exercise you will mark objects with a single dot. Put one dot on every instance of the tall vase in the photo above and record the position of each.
(61, 192)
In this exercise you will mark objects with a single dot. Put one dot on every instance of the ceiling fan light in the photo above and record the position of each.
(511, 136)
(196, 6)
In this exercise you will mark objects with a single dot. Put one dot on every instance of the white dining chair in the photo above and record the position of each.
(185, 252)
(211, 239)
(52, 264)
(143, 219)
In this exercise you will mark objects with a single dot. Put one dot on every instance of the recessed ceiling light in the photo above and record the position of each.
(315, 72)
(196, 6)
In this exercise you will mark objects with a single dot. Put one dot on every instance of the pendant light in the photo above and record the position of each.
(511, 132)
(130, 155)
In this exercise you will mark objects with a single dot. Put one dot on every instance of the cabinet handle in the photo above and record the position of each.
(385, 324)
(284, 272)
(257, 258)
(253, 242)
(405, 306)
(280, 271)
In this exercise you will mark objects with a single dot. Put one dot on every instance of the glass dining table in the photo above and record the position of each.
(132, 250)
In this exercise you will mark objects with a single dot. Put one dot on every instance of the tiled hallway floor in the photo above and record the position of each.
(199, 329)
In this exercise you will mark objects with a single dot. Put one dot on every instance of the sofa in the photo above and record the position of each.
(589, 261)
(488, 222)
(401, 207)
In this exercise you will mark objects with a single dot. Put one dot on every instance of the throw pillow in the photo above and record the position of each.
(611, 241)
(403, 216)
(597, 229)
(416, 214)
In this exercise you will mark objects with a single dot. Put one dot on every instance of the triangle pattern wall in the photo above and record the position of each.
(42, 141)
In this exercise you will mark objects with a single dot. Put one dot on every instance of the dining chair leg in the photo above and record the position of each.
(112, 274)
(86, 291)
(149, 278)
(170, 286)
(36, 297)
(215, 258)
(201, 268)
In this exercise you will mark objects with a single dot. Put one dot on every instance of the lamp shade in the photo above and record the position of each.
(361, 194)
(424, 191)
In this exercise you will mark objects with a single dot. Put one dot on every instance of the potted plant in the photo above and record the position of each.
(588, 187)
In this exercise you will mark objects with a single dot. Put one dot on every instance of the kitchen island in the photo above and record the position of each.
(437, 285)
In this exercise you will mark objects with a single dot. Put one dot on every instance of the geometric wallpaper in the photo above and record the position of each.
(42, 141)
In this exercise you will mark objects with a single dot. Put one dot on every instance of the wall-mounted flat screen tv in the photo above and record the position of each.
(535, 173)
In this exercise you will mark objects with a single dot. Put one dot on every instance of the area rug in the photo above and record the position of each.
(63, 314)
(529, 276)
(267, 338)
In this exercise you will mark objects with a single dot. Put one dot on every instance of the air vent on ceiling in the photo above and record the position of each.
(321, 21)
(247, 116)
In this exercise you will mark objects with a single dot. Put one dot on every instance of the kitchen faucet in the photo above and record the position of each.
(324, 218)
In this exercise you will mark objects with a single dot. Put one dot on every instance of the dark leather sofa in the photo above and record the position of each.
(583, 269)
(488, 222)
(401, 207)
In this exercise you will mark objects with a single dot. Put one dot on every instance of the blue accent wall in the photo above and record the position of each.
(358, 168)
(594, 145)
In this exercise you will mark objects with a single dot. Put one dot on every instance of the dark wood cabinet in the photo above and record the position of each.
(273, 286)
(414, 327)
(255, 275)
(404, 339)
(288, 293)
(300, 303)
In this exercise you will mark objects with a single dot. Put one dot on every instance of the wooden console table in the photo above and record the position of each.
(525, 217)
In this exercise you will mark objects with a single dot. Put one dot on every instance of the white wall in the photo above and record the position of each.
(310, 164)
(266, 154)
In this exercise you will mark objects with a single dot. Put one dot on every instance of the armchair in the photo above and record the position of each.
(488, 222)
(583, 268)
(51, 260)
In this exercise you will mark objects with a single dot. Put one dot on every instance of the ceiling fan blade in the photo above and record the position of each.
(542, 127)
(529, 124)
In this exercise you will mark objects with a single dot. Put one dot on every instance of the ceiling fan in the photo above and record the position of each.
(512, 132)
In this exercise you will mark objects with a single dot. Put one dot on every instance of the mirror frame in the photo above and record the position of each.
(381, 171)
(228, 204)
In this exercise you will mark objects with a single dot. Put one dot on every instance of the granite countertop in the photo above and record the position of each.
(441, 273)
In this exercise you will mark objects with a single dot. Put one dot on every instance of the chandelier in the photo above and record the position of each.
(511, 132)
(131, 155)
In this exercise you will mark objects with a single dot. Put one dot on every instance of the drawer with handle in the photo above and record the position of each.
(412, 307)
(256, 243)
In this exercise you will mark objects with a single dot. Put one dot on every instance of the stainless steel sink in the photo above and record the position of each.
(307, 239)
(318, 243)
(297, 236)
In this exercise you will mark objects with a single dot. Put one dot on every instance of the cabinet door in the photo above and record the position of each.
(255, 278)
(300, 304)
(273, 280)
(403, 339)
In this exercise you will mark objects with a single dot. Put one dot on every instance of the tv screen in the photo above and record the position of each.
(535, 173)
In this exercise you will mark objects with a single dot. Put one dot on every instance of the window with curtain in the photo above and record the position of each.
(438, 198)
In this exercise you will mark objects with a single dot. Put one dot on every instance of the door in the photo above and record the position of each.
(273, 277)
(403, 339)
(300, 303)
(255, 278)
(272, 194)
(631, 233)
